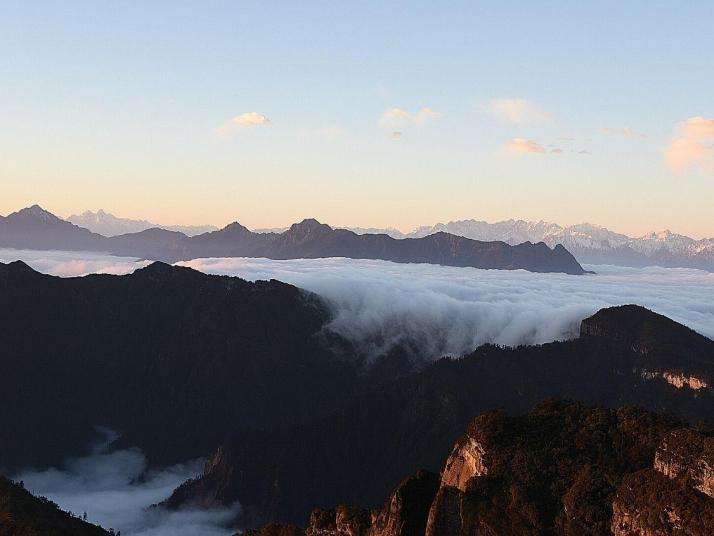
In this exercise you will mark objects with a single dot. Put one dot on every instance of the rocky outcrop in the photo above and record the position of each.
(406, 511)
(561, 470)
(677, 379)
(687, 455)
(274, 529)
(342, 521)
(468, 459)
(445, 512)
(649, 504)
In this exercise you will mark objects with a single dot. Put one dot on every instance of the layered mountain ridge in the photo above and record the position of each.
(35, 228)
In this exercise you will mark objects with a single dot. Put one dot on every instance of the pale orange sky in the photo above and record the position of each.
(362, 115)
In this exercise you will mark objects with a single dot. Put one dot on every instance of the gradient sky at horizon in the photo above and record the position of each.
(371, 113)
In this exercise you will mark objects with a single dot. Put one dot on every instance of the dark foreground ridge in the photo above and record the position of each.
(186, 364)
(35, 228)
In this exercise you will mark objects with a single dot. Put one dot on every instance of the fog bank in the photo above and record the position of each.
(443, 310)
(115, 491)
(448, 310)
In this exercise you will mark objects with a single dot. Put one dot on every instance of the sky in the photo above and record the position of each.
(361, 113)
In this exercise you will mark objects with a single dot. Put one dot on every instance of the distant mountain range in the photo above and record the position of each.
(36, 228)
(106, 224)
(589, 243)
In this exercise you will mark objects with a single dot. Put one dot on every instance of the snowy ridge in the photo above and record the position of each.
(589, 243)
(107, 224)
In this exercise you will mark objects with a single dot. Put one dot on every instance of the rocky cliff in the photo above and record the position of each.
(650, 504)
(563, 469)
(687, 455)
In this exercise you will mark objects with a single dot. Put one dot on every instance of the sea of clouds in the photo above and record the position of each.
(448, 310)
(444, 310)
(115, 491)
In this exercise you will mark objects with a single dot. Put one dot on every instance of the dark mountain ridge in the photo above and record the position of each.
(186, 364)
(35, 228)
(389, 431)
(22, 514)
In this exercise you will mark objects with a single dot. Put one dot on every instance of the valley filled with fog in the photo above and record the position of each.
(114, 490)
(442, 310)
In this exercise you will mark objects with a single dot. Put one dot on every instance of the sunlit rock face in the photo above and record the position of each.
(676, 497)
(677, 379)
(341, 521)
(680, 381)
(650, 504)
(468, 459)
(688, 456)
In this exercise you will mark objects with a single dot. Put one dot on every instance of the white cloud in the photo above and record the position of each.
(692, 146)
(392, 118)
(516, 111)
(520, 146)
(245, 120)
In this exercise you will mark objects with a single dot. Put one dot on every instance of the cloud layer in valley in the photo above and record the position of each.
(446, 310)
(115, 491)
(72, 263)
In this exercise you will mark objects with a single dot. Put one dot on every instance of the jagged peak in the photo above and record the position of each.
(35, 212)
(236, 227)
(309, 224)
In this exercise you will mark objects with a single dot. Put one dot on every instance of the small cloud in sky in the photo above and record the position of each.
(245, 120)
(516, 111)
(625, 132)
(520, 146)
(693, 146)
(397, 117)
